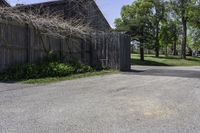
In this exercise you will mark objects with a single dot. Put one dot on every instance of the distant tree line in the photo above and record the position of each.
(161, 25)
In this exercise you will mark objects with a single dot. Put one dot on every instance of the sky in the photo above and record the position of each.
(110, 8)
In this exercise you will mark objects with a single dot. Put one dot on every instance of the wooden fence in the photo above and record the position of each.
(21, 44)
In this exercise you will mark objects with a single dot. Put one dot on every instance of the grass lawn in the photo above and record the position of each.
(151, 60)
(71, 77)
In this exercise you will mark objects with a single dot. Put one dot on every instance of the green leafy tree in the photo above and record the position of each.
(169, 36)
(159, 24)
(158, 7)
(136, 20)
(183, 9)
(195, 39)
(165, 37)
(195, 27)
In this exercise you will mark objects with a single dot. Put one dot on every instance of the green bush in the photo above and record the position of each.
(34, 71)
(80, 68)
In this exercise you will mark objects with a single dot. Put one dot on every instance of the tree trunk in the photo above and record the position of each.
(166, 51)
(157, 44)
(174, 48)
(184, 40)
(141, 52)
(189, 51)
(157, 49)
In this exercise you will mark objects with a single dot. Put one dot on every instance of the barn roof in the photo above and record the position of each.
(4, 3)
(57, 2)
(44, 3)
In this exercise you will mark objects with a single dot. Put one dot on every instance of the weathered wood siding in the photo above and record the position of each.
(21, 44)
(112, 50)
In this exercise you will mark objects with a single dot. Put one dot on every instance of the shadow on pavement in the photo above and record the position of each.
(9, 82)
(147, 63)
(166, 72)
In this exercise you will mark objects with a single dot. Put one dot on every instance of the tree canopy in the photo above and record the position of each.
(162, 25)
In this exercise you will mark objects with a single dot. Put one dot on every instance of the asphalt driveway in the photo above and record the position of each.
(146, 100)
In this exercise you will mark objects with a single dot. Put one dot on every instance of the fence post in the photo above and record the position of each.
(62, 50)
(91, 48)
(125, 59)
(82, 50)
(28, 43)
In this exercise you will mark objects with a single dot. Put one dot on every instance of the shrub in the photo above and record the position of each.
(80, 68)
(51, 69)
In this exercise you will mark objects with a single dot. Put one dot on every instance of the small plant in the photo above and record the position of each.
(80, 68)
(35, 71)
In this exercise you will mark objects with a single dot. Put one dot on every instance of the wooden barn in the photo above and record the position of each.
(86, 11)
(20, 44)
(4, 3)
